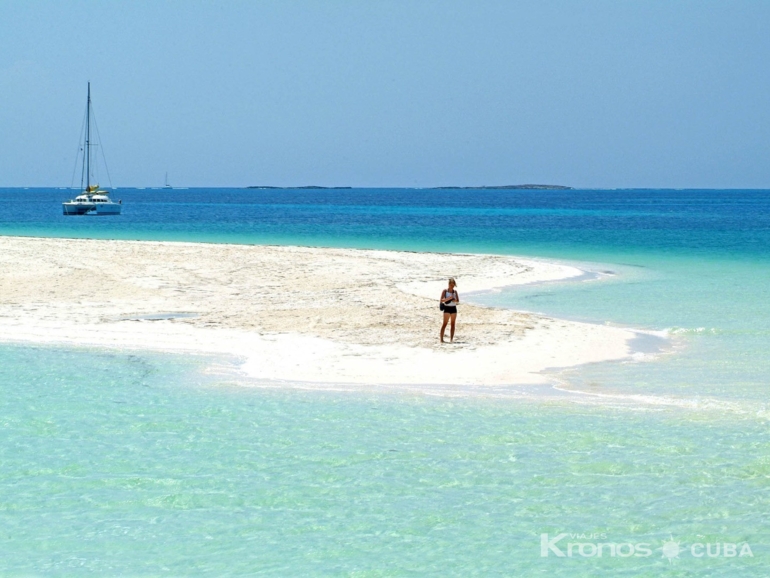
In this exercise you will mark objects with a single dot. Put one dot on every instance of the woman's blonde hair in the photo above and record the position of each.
(452, 281)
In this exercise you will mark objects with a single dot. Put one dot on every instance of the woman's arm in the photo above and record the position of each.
(457, 296)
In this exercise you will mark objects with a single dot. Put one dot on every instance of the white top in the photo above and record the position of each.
(453, 294)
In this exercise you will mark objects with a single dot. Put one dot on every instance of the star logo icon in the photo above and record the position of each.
(671, 549)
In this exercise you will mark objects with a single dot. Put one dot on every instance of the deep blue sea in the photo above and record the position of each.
(566, 224)
(125, 464)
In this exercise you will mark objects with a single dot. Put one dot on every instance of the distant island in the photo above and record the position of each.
(530, 187)
(305, 187)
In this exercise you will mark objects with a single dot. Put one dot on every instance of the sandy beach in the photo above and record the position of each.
(294, 314)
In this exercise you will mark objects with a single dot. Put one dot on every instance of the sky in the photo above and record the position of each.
(602, 94)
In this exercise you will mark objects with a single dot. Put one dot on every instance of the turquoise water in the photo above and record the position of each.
(118, 463)
(717, 310)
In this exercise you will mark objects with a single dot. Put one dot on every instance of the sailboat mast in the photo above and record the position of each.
(88, 139)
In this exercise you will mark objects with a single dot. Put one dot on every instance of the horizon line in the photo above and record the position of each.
(380, 187)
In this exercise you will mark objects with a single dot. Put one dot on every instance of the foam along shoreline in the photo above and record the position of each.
(295, 314)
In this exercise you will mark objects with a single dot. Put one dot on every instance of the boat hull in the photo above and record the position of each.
(107, 209)
(91, 208)
(77, 208)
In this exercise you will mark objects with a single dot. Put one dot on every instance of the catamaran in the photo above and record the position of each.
(93, 200)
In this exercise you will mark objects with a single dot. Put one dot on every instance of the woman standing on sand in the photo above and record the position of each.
(449, 300)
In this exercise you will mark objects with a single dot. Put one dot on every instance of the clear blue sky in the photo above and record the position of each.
(413, 93)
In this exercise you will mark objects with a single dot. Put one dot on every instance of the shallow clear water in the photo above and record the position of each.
(119, 464)
(125, 463)
(717, 311)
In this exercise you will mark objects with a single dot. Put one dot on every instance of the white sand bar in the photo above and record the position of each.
(293, 313)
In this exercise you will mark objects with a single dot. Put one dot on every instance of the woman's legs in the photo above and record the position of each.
(443, 327)
(451, 329)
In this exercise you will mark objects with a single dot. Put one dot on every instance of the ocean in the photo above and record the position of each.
(145, 464)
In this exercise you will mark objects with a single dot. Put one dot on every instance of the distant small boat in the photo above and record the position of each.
(93, 200)
(166, 185)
